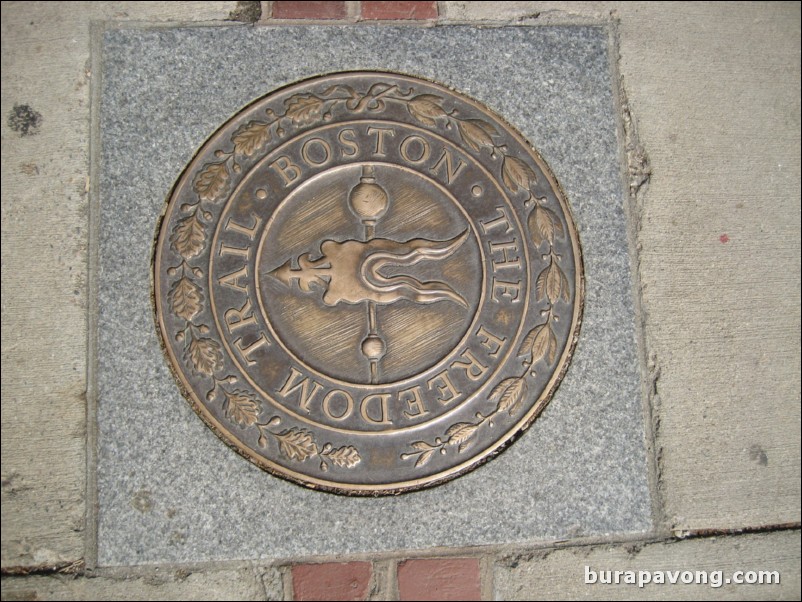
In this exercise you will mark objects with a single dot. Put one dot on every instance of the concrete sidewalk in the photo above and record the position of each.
(710, 111)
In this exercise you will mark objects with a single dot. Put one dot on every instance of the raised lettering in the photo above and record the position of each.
(444, 386)
(232, 280)
(422, 153)
(509, 252)
(308, 153)
(349, 143)
(474, 369)
(330, 397)
(448, 160)
(237, 318)
(511, 290)
(250, 232)
(226, 250)
(490, 341)
(380, 134)
(414, 402)
(305, 396)
(364, 408)
(247, 351)
(288, 170)
(502, 220)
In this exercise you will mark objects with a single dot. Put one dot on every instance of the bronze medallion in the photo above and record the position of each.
(367, 283)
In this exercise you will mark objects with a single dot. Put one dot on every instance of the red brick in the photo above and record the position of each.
(440, 579)
(399, 10)
(331, 581)
(309, 10)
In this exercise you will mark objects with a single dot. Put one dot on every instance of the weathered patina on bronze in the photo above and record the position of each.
(367, 283)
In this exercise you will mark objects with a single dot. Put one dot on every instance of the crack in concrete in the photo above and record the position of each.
(637, 178)
(72, 567)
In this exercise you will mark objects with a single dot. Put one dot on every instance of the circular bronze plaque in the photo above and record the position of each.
(367, 283)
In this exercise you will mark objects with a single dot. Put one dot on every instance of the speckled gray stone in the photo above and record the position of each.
(170, 490)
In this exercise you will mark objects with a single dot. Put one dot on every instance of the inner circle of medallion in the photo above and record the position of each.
(417, 335)
(247, 194)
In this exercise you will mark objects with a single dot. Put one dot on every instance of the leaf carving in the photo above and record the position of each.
(211, 182)
(476, 133)
(552, 283)
(251, 137)
(552, 346)
(424, 458)
(241, 407)
(540, 284)
(189, 237)
(461, 434)
(534, 228)
(510, 393)
(535, 344)
(539, 343)
(517, 175)
(296, 444)
(344, 457)
(559, 230)
(547, 345)
(424, 452)
(425, 108)
(185, 299)
(304, 108)
(544, 225)
(204, 355)
(565, 288)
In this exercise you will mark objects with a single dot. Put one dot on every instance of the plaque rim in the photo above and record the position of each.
(510, 436)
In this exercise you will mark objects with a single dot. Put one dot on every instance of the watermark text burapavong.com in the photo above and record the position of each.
(713, 579)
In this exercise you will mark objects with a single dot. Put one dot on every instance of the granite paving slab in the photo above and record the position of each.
(169, 490)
